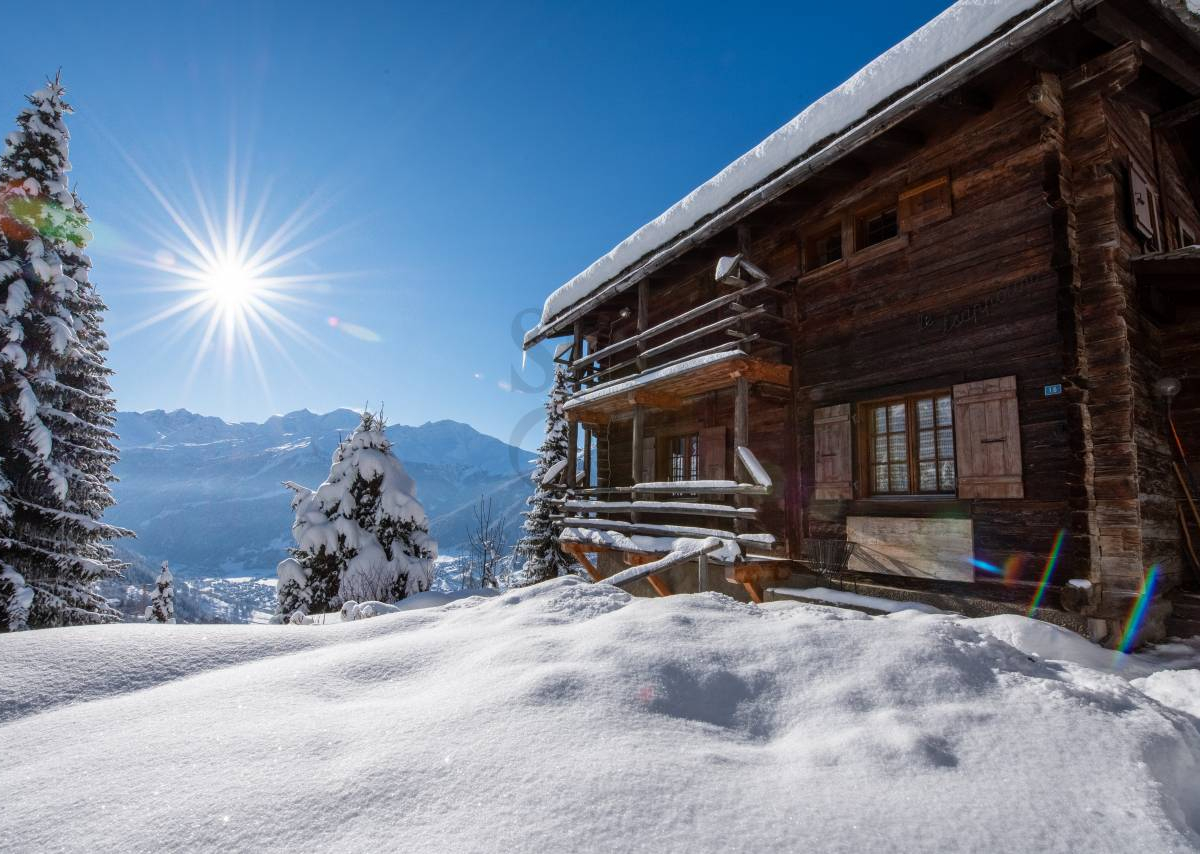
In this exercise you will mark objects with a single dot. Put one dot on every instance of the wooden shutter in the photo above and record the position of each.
(924, 204)
(832, 453)
(987, 438)
(649, 460)
(712, 453)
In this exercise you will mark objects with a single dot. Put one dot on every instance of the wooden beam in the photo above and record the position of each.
(639, 426)
(1114, 26)
(964, 101)
(636, 559)
(741, 437)
(1177, 116)
(690, 314)
(899, 140)
(660, 586)
(576, 550)
(656, 399)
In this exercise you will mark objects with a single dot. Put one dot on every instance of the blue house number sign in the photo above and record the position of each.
(1052, 390)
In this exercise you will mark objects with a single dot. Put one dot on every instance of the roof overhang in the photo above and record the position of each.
(1010, 39)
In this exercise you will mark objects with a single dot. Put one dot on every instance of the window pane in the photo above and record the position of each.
(929, 477)
(880, 227)
(881, 449)
(880, 419)
(945, 411)
(925, 442)
(896, 417)
(881, 479)
(925, 413)
(897, 450)
(947, 475)
(899, 478)
(945, 443)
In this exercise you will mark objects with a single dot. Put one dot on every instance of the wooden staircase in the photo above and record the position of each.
(1184, 621)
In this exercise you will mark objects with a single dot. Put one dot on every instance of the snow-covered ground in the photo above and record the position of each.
(572, 717)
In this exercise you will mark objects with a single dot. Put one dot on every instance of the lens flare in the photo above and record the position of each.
(986, 567)
(1048, 572)
(1137, 614)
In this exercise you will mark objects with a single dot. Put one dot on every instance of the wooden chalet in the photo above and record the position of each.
(936, 339)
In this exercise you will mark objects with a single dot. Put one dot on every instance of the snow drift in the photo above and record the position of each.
(571, 716)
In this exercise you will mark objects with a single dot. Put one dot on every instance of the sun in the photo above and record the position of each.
(231, 286)
(229, 273)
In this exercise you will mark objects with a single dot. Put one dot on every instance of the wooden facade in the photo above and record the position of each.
(948, 349)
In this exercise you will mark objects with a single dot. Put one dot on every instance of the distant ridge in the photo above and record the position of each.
(205, 493)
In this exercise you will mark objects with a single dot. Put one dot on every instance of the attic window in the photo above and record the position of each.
(876, 227)
(1186, 238)
(824, 247)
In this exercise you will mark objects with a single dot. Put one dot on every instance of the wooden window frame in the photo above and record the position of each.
(823, 229)
(863, 439)
(864, 214)
(669, 449)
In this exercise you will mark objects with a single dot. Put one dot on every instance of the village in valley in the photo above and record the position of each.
(858, 508)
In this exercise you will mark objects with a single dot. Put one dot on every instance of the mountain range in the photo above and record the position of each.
(207, 494)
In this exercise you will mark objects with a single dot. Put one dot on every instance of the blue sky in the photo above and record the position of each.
(459, 161)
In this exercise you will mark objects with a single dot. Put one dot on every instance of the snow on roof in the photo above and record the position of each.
(957, 33)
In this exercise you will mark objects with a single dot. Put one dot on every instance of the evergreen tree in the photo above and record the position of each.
(360, 535)
(544, 557)
(162, 605)
(56, 408)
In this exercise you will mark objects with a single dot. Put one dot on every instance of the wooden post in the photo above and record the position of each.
(587, 455)
(572, 425)
(572, 451)
(702, 567)
(639, 425)
(741, 439)
(643, 320)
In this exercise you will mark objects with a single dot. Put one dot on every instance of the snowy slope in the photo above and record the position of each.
(207, 495)
(605, 723)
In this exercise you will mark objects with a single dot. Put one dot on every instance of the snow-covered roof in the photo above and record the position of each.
(962, 40)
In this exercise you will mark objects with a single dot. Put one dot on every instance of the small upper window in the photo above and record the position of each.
(1186, 238)
(877, 227)
(825, 247)
(685, 457)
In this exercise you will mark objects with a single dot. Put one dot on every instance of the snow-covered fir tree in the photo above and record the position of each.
(360, 535)
(162, 604)
(544, 558)
(56, 407)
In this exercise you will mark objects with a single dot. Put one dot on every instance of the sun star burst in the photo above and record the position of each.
(229, 277)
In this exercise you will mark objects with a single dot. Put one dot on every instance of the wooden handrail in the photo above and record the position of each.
(672, 322)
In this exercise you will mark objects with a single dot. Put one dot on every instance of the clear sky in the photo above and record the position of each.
(451, 165)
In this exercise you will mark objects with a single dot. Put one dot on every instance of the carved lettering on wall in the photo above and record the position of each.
(972, 314)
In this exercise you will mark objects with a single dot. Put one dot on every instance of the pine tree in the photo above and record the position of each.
(56, 408)
(544, 557)
(360, 535)
(162, 605)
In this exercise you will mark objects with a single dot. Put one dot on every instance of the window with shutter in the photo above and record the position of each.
(832, 453)
(988, 437)
(712, 453)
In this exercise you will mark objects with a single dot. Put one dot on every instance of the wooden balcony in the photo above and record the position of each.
(669, 386)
